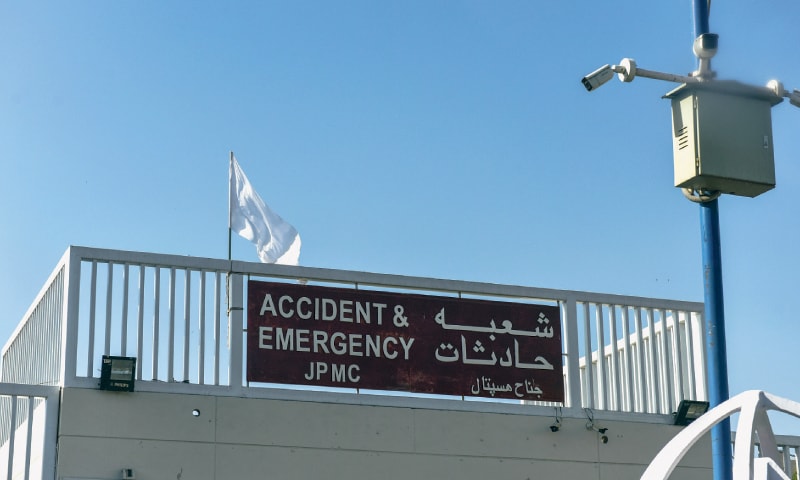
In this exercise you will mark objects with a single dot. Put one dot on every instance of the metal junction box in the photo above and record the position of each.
(722, 137)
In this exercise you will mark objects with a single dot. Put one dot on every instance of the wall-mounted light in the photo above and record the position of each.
(118, 373)
(689, 411)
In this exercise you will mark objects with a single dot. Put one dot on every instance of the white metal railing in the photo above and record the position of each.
(639, 371)
(789, 450)
(33, 353)
(28, 429)
(171, 312)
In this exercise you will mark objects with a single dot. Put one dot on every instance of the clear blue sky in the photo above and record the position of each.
(450, 139)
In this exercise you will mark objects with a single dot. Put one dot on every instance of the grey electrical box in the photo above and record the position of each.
(722, 137)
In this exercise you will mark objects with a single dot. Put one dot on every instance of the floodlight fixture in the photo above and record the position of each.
(118, 373)
(689, 411)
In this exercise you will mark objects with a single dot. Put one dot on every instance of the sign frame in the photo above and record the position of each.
(383, 340)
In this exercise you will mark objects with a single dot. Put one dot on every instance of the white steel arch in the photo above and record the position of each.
(753, 428)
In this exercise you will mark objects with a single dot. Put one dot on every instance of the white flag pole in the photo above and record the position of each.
(230, 201)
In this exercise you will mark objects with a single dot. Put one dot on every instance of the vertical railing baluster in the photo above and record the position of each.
(573, 353)
(666, 370)
(187, 322)
(690, 357)
(630, 384)
(171, 328)
(11, 437)
(140, 324)
(156, 320)
(201, 343)
(702, 360)
(677, 357)
(109, 295)
(602, 383)
(654, 370)
(614, 374)
(235, 332)
(92, 317)
(29, 438)
(641, 362)
(589, 401)
(124, 319)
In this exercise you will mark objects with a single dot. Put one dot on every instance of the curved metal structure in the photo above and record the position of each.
(753, 429)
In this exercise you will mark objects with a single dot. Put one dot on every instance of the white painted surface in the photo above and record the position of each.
(158, 436)
(753, 428)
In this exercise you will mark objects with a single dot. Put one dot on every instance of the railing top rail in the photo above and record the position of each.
(375, 279)
(28, 390)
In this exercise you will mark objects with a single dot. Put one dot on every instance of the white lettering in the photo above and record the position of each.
(320, 339)
(285, 313)
(406, 346)
(355, 345)
(352, 376)
(362, 312)
(337, 374)
(338, 347)
(336, 343)
(380, 307)
(262, 336)
(324, 309)
(346, 311)
(374, 346)
(302, 341)
(284, 341)
(267, 305)
(304, 315)
(340, 372)
(328, 315)
(386, 353)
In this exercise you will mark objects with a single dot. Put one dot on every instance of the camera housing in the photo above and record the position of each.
(705, 45)
(598, 77)
(794, 98)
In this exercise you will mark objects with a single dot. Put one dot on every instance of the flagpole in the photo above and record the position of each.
(230, 173)
(228, 275)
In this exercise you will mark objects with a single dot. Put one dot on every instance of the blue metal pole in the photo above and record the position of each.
(700, 17)
(717, 357)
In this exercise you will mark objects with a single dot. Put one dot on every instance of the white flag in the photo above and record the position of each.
(276, 241)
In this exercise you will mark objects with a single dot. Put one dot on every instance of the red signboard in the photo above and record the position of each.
(337, 337)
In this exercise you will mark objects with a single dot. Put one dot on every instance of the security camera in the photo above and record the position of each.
(602, 430)
(794, 98)
(598, 77)
(604, 439)
(554, 428)
(705, 45)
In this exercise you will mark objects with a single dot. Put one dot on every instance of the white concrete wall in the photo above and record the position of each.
(158, 436)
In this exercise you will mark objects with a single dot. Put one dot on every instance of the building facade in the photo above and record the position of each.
(625, 364)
